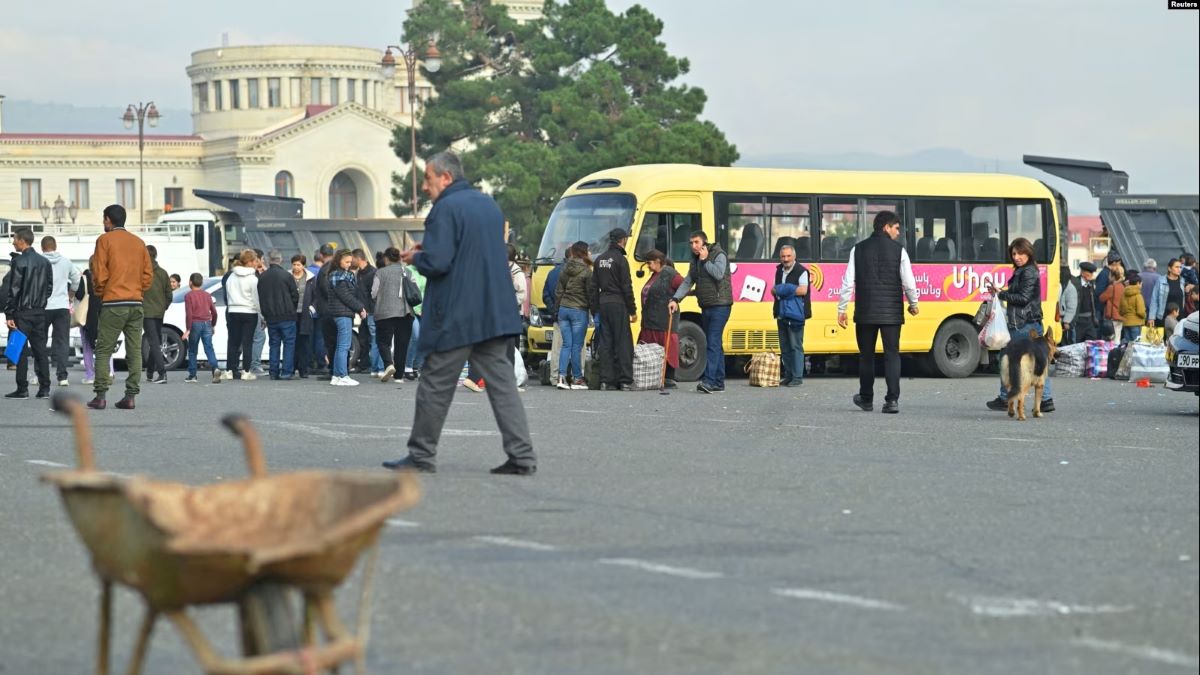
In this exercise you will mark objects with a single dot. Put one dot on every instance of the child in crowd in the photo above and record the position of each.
(1170, 320)
(1133, 308)
(200, 315)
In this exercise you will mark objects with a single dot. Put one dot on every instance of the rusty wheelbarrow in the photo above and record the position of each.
(247, 542)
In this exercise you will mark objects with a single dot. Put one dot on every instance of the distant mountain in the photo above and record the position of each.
(1079, 200)
(64, 118)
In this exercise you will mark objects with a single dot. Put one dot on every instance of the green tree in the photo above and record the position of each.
(538, 106)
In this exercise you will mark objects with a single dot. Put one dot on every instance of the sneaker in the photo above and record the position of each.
(88, 380)
(409, 376)
(64, 382)
(863, 403)
(890, 407)
(510, 468)
(190, 379)
(217, 374)
(562, 383)
(387, 374)
(18, 395)
(1048, 405)
(161, 379)
(409, 464)
(42, 393)
(249, 377)
(998, 404)
(473, 386)
(378, 374)
(704, 388)
(579, 384)
(350, 382)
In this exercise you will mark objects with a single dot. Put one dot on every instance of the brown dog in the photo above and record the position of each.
(1025, 364)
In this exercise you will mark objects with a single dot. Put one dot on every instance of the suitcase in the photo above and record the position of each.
(544, 373)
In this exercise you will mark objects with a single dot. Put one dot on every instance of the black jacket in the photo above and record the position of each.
(305, 322)
(29, 284)
(1024, 297)
(342, 299)
(366, 279)
(878, 290)
(277, 295)
(611, 279)
(322, 292)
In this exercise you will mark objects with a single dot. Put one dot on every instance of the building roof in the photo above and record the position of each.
(1084, 224)
(132, 138)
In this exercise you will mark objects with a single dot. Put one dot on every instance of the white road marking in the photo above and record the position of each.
(588, 412)
(1006, 608)
(713, 419)
(647, 415)
(400, 522)
(684, 572)
(1144, 652)
(805, 426)
(1014, 440)
(322, 432)
(1135, 447)
(516, 543)
(837, 598)
(906, 433)
(43, 462)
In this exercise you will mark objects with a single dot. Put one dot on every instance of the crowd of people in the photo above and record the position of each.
(1115, 303)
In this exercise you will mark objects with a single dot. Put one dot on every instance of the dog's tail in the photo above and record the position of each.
(1014, 375)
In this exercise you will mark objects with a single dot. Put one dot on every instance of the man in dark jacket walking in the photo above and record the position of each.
(614, 294)
(278, 297)
(369, 359)
(879, 277)
(709, 273)
(29, 283)
(470, 313)
(154, 305)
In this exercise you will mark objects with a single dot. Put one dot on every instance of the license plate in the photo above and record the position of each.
(1187, 361)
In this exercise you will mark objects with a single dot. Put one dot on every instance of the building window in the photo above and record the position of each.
(333, 91)
(172, 198)
(125, 193)
(235, 95)
(273, 94)
(31, 193)
(252, 92)
(218, 95)
(78, 192)
(315, 95)
(351, 89)
(343, 197)
(202, 94)
(294, 90)
(1076, 238)
(366, 87)
(284, 185)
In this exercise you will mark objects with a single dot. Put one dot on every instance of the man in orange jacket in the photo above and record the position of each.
(122, 273)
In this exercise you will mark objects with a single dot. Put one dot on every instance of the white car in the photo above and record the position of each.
(75, 344)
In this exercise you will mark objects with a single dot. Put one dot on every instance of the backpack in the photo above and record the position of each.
(1115, 356)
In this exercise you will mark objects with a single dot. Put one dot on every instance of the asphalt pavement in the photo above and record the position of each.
(754, 531)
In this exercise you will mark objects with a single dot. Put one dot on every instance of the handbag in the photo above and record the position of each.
(80, 312)
(764, 369)
(412, 292)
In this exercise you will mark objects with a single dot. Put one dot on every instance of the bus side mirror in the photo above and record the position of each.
(641, 273)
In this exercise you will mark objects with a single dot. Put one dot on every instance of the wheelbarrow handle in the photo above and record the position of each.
(240, 426)
(69, 405)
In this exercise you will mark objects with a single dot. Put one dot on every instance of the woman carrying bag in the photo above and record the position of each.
(1024, 313)
(656, 318)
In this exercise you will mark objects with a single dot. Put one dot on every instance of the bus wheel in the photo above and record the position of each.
(955, 350)
(692, 346)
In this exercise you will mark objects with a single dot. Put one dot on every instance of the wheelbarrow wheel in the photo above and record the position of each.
(268, 620)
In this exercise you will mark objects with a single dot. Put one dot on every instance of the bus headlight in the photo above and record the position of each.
(535, 317)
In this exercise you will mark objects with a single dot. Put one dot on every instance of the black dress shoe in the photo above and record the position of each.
(42, 393)
(510, 469)
(18, 395)
(890, 407)
(865, 405)
(999, 404)
(97, 403)
(408, 464)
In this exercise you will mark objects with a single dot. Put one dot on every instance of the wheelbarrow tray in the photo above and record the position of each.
(184, 545)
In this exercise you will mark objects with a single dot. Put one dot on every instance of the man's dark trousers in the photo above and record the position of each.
(33, 324)
(152, 339)
(616, 345)
(866, 334)
(59, 323)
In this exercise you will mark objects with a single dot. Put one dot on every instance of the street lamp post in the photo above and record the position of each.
(45, 209)
(141, 113)
(433, 63)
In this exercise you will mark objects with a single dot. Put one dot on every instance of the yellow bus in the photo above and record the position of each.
(956, 228)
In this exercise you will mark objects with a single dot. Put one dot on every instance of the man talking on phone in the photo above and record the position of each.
(709, 272)
(879, 277)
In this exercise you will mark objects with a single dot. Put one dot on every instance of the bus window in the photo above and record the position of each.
(935, 230)
(980, 222)
(198, 236)
(667, 232)
(586, 218)
(839, 228)
(790, 225)
(745, 227)
(1025, 220)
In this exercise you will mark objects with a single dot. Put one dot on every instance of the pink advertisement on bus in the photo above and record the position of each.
(937, 282)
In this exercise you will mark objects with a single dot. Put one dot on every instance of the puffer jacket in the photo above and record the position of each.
(1133, 307)
(241, 292)
(343, 298)
(1024, 297)
(574, 284)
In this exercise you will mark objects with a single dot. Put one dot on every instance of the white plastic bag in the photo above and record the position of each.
(994, 334)
(519, 368)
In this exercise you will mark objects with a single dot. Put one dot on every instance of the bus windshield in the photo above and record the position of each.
(585, 218)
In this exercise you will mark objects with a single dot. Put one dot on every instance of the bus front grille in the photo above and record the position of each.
(754, 341)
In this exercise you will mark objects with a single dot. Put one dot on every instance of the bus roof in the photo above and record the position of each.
(647, 179)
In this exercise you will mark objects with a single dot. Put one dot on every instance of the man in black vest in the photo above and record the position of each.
(709, 272)
(1078, 306)
(614, 288)
(879, 276)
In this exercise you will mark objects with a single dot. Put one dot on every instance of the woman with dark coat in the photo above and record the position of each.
(656, 294)
(1024, 314)
(344, 302)
(393, 315)
(91, 328)
(571, 295)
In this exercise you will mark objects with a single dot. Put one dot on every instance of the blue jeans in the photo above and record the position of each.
(1130, 334)
(713, 320)
(282, 332)
(377, 364)
(415, 359)
(201, 332)
(341, 353)
(791, 348)
(572, 325)
(1023, 332)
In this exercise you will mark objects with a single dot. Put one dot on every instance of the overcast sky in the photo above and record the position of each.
(1110, 80)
